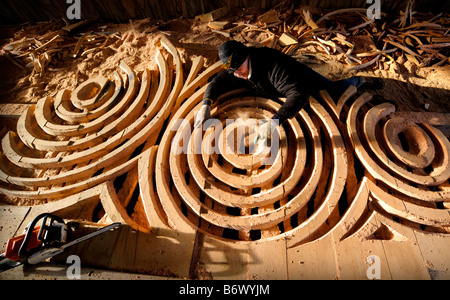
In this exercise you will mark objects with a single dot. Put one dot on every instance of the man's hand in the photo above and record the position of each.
(203, 114)
(264, 135)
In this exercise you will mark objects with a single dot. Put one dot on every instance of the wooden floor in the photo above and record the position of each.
(347, 190)
(182, 255)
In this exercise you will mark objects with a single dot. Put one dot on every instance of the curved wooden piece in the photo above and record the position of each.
(223, 195)
(440, 173)
(65, 111)
(178, 83)
(376, 171)
(67, 190)
(87, 170)
(152, 207)
(103, 149)
(88, 95)
(107, 129)
(114, 209)
(312, 228)
(426, 151)
(190, 195)
(132, 136)
(408, 210)
(45, 120)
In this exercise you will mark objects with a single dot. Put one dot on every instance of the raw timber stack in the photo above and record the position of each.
(346, 181)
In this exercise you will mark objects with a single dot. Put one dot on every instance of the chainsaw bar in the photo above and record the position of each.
(6, 264)
(90, 235)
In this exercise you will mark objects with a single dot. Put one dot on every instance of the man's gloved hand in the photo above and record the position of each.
(263, 136)
(263, 133)
(203, 114)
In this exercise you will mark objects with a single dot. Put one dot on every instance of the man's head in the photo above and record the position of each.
(234, 56)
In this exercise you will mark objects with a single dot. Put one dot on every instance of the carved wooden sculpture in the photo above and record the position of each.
(350, 172)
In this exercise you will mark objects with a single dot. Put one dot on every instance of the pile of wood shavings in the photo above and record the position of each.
(351, 36)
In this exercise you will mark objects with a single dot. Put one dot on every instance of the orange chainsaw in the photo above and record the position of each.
(37, 244)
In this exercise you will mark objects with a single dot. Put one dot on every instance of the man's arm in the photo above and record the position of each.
(287, 79)
(221, 84)
(295, 101)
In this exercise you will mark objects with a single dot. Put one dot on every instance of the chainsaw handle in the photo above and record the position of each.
(41, 235)
(23, 252)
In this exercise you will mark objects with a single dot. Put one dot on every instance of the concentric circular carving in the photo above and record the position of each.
(409, 143)
(220, 184)
(331, 169)
(78, 139)
(410, 158)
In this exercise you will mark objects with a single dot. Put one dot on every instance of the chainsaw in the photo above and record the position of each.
(39, 243)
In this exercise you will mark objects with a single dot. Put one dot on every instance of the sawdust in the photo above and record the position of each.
(407, 85)
(134, 44)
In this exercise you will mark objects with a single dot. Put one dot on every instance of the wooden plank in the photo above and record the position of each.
(165, 252)
(404, 258)
(214, 15)
(216, 25)
(184, 8)
(224, 260)
(75, 26)
(404, 48)
(272, 16)
(12, 218)
(13, 110)
(313, 261)
(353, 255)
(287, 39)
(436, 255)
(268, 260)
(307, 17)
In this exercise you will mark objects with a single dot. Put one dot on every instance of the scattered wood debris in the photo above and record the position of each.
(421, 38)
(347, 34)
(214, 15)
(55, 43)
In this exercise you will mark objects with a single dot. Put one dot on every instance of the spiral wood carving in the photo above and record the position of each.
(335, 166)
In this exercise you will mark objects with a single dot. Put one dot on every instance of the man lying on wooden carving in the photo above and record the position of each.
(272, 74)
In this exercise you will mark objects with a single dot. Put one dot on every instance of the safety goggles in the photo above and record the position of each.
(227, 64)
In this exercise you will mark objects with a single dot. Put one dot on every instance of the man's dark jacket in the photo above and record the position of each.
(273, 75)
